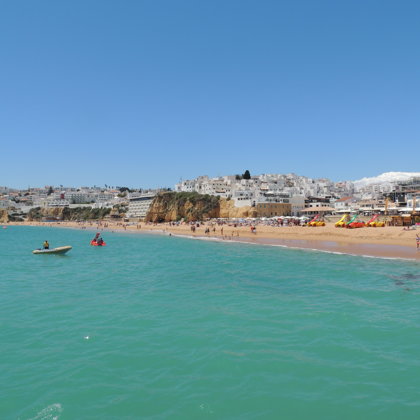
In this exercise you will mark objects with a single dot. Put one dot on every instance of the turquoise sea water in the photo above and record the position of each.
(171, 328)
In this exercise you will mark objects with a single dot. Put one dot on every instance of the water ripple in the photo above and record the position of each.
(158, 327)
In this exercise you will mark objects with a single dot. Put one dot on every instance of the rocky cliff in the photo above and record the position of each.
(66, 213)
(38, 213)
(4, 216)
(171, 206)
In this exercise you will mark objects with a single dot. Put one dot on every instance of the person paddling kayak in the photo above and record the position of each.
(97, 240)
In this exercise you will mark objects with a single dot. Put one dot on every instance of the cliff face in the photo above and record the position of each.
(171, 206)
(38, 213)
(4, 216)
(48, 213)
(66, 213)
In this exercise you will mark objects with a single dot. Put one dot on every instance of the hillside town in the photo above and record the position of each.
(270, 195)
(295, 195)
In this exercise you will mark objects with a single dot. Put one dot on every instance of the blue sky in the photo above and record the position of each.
(143, 93)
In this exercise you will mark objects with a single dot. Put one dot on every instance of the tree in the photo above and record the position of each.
(238, 177)
(50, 191)
(246, 175)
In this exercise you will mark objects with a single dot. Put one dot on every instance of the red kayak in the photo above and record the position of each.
(94, 243)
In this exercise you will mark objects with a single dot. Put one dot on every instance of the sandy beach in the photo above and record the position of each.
(388, 242)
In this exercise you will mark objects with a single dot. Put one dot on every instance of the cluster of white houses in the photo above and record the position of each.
(21, 201)
(59, 197)
(276, 195)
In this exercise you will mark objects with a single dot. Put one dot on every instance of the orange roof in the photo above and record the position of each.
(343, 199)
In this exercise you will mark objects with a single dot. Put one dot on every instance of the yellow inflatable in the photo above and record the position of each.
(342, 221)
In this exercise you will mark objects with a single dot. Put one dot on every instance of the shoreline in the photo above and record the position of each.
(388, 242)
(360, 250)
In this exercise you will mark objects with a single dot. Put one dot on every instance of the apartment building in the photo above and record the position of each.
(139, 205)
(273, 209)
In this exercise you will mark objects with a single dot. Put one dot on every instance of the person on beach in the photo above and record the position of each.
(418, 241)
(47, 245)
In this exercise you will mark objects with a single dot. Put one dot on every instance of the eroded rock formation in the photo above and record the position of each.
(4, 216)
(171, 206)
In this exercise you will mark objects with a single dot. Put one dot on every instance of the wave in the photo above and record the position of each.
(52, 412)
(325, 251)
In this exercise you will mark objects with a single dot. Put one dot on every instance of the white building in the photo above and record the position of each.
(78, 197)
(57, 203)
(413, 202)
(298, 204)
(243, 198)
(345, 205)
(139, 205)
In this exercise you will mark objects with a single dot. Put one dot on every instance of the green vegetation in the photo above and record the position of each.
(85, 213)
(181, 198)
(14, 217)
(120, 209)
(124, 190)
(35, 214)
(246, 175)
(66, 213)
